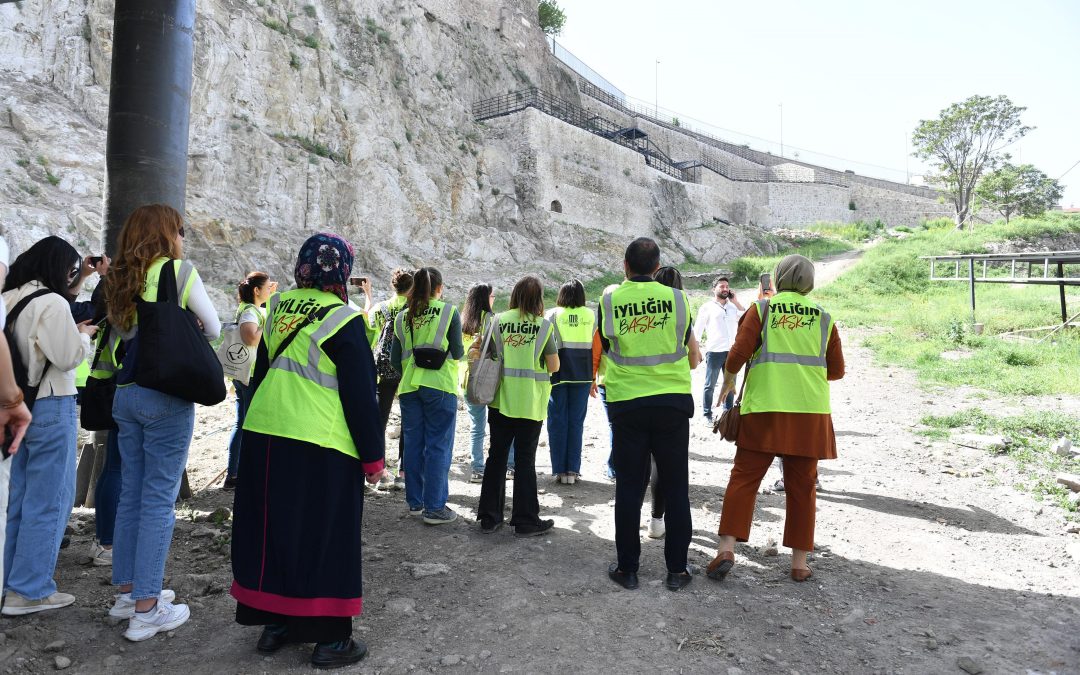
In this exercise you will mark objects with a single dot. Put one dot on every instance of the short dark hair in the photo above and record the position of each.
(528, 296)
(642, 256)
(401, 280)
(51, 262)
(571, 294)
(716, 284)
(669, 276)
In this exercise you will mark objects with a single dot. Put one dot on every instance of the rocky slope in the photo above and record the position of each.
(344, 115)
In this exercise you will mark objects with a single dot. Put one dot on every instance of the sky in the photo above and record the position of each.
(850, 80)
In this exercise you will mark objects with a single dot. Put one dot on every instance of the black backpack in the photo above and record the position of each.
(383, 368)
(18, 364)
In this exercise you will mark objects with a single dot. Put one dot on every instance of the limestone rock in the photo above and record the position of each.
(421, 570)
(62, 662)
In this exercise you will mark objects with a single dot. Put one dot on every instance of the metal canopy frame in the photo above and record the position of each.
(1045, 268)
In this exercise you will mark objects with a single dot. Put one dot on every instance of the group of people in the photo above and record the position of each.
(312, 414)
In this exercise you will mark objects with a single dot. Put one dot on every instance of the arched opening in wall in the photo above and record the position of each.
(556, 206)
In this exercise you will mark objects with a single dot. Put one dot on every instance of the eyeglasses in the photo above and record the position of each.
(181, 233)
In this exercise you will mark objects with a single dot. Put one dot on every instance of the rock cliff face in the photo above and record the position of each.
(353, 116)
(345, 115)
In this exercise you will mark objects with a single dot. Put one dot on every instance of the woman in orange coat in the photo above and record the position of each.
(785, 421)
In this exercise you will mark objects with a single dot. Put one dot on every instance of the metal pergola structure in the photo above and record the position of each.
(1045, 268)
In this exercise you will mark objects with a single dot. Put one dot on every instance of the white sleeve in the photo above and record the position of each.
(250, 315)
(199, 303)
(701, 320)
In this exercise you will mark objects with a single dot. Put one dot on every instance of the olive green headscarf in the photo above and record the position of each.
(795, 273)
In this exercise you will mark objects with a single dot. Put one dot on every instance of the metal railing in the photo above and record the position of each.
(570, 113)
(578, 66)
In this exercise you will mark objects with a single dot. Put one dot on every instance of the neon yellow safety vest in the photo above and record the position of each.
(82, 371)
(185, 278)
(789, 373)
(299, 397)
(430, 330)
(574, 328)
(645, 325)
(525, 385)
(105, 353)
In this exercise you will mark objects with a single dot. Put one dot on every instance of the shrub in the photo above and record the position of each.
(311, 41)
(294, 61)
(309, 10)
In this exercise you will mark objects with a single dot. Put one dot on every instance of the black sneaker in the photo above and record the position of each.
(627, 580)
(534, 530)
(229, 484)
(273, 638)
(338, 654)
(490, 528)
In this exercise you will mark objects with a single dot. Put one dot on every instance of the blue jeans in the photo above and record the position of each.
(155, 433)
(107, 492)
(478, 415)
(565, 424)
(428, 420)
(714, 363)
(243, 400)
(42, 492)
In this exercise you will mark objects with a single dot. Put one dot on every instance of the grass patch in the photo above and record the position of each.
(1030, 436)
(749, 268)
(274, 24)
(890, 288)
(857, 233)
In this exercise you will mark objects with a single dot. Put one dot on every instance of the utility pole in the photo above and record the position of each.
(656, 92)
(781, 129)
(149, 106)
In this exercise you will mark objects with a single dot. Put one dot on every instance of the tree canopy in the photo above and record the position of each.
(552, 17)
(965, 141)
(1018, 190)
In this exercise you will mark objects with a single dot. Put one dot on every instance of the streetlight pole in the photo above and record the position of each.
(781, 129)
(656, 92)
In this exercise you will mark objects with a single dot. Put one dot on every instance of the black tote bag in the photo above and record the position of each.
(96, 400)
(175, 357)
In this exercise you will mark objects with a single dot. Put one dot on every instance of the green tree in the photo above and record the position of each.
(965, 141)
(1018, 190)
(552, 17)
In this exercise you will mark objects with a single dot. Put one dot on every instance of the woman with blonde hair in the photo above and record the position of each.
(154, 428)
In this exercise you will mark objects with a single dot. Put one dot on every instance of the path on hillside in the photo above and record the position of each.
(926, 556)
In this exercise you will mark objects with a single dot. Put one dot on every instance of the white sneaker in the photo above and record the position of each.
(17, 605)
(571, 478)
(163, 618)
(656, 528)
(100, 556)
(124, 607)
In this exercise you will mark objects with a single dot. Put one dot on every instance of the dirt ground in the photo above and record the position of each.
(927, 561)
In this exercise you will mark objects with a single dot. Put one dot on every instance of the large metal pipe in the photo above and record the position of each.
(149, 106)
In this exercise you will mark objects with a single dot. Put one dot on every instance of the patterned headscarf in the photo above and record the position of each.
(795, 273)
(325, 262)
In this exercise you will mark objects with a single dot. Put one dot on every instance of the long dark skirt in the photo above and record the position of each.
(296, 538)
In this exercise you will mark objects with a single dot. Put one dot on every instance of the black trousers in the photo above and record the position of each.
(385, 391)
(662, 434)
(652, 482)
(524, 435)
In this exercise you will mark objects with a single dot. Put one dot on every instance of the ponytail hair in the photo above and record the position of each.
(245, 290)
(425, 281)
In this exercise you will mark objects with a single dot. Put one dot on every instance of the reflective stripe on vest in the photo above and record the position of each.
(574, 328)
(645, 325)
(789, 372)
(299, 397)
(682, 318)
(106, 366)
(525, 385)
(431, 337)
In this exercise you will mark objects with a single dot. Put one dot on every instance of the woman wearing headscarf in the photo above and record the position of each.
(794, 350)
(312, 436)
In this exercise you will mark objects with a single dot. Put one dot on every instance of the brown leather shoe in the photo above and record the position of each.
(801, 574)
(719, 567)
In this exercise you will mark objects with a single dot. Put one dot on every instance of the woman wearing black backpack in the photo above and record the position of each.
(47, 346)
(381, 322)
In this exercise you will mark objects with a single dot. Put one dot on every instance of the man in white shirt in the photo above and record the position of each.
(718, 321)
